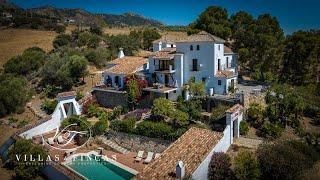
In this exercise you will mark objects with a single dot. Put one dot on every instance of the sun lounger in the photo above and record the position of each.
(51, 141)
(149, 157)
(156, 155)
(60, 139)
(139, 156)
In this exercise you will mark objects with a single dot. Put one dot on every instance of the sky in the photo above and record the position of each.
(293, 15)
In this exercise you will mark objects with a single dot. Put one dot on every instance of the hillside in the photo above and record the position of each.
(129, 19)
(87, 18)
(78, 15)
(6, 5)
(14, 41)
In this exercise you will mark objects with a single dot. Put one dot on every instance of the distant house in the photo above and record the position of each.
(69, 21)
(7, 15)
(202, 57)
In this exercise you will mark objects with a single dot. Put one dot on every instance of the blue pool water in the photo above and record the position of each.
(96, 168)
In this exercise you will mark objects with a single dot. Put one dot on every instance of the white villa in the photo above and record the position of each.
(201, 57)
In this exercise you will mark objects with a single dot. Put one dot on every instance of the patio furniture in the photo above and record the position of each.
(51, 141)
(156, 155)
(139, 156)
(149, 157)
(60, 139)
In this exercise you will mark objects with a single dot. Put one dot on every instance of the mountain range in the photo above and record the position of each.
(82, 16)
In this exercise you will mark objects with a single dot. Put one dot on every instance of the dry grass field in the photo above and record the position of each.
(14, 41)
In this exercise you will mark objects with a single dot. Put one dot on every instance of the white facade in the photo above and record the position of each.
(203, 60)
(231, 131)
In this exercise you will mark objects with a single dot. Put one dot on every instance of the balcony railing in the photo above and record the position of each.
(169, 69)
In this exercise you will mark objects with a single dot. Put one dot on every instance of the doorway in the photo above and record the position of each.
(166, 79)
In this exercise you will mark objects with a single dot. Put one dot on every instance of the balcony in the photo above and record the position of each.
(164, 70)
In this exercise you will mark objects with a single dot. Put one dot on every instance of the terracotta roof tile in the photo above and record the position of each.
(191, 148)
(171, 38)
(166, 53)
(235, 108)
(227, 50)
(202, 36)
(66, 94)
(126, 65)
(225, 74)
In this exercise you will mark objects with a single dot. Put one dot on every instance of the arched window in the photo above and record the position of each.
(191, 48)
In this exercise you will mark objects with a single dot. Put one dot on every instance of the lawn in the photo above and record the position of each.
(14, 41)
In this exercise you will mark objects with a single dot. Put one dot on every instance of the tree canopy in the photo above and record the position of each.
(14, 94)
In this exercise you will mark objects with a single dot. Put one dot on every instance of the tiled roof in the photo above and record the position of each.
(126, 65)
(227, 50)
(224, 74)
(66, 94)
(170, 38)
(191, 148)
(235, 108)
(166, 53)
(202, 36)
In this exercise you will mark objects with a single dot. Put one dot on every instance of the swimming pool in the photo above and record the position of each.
(95, 167)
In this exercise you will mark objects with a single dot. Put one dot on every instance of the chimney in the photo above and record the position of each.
(120, 53)
(180, 170)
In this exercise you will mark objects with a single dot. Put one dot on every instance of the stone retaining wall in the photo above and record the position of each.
(137, 143)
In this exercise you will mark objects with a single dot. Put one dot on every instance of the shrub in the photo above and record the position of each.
(246, 166)
(255, 115)
(79, 95)
(192, 107)
(94, 110)
(244, 128)
(101, 127)
(219, 167)
(162, 107)
(270, 130)
(126, 125)
(30, 61)
(29, 169)
(285, 159)
(154, 130)
(22, 123)
(49, 105)
(60, 29)
(14, 94)
(61, 40)
(98, 56)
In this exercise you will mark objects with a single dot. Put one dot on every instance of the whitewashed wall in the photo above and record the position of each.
(201, 173)
(57, 116)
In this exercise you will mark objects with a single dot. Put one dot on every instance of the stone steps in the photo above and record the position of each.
(113, 145)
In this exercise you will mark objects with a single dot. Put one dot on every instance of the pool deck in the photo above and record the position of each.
(127, 159)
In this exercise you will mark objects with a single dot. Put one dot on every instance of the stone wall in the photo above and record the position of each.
(110, 98)
(137, 143)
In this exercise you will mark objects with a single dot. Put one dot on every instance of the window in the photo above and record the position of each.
(164, 65)
(172, 45)
(219, 82)
(198, 47)
(227, 62)
(204, 79)
(219, 64)
(194, 64)
(154, 62)
(191, 48)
